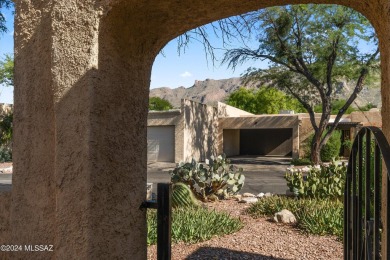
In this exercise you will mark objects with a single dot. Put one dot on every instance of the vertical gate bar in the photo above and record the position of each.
(347, 209)
(164, 218)
(360, 195)
(386, 227)
(377, 190)
(367, 193)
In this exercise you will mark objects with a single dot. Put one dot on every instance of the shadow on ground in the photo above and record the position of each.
(260, 160)
(224, 253)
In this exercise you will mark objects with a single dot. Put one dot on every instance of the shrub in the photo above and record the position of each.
(192, 225)
(321, 217)
(5, 154)
(331, 149)
(216, 178)
(301, 161)
(320, 181)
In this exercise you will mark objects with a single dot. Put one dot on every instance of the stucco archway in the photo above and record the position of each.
(82, 72)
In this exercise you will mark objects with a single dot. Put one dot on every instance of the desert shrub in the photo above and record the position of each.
(217, 177)
(331, 149)
(5, 154)
(192, 225)
(314, 216)
(323, 182)
(301, 161)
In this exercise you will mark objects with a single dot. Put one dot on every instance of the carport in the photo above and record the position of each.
(262, 135)
(266, 142)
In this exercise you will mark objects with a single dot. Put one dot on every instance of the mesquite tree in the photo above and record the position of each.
(310, 48)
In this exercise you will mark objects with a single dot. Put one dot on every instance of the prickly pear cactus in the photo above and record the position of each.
(182, 196)
(217, 177)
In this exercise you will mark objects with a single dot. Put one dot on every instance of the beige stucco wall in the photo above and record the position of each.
(82, 76)
(261, 122)
(231, 142)
(173, 118)
(368, 118)
(229, 111)
(200, 130)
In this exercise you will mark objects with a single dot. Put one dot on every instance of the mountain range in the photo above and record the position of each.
(211, 91)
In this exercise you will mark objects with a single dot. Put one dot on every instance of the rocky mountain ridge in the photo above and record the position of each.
(211, 91)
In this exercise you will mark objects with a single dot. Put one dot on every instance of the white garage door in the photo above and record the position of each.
(161, 143)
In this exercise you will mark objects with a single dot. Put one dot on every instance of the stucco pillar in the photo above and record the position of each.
(382, 26)
(81, 96)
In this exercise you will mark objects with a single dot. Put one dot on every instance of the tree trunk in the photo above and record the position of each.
(315, 156)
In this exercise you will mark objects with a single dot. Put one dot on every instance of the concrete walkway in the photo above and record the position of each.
(262, 174)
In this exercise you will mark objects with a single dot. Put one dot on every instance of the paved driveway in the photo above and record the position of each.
(262, 174)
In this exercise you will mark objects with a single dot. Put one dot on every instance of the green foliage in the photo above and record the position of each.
(301, 161)
(314, 216)
(321, 182)
(336, 106)
(5, 154)
(6, 128)
(216, 178)
(159, 104)
(7, 71)
(4, 4)
(192, 225)
(263, 101)
(182, 196)
(331, 149)
(367, 107)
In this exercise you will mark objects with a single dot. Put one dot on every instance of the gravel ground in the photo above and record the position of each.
(258, 239)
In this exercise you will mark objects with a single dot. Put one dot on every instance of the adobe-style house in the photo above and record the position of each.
(82, 78)
(199, 131)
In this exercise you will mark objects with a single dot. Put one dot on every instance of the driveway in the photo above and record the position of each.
(262, 174)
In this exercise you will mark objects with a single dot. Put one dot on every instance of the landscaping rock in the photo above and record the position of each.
(237, 197)
(260, 195)
(248, 200)
(285, 216)
(268, 194)
(249, 195)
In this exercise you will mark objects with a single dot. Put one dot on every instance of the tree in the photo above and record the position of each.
(310, 47)
(159, 104)
(263, 101)
(4, 4)
(336, 106)
(7, 71)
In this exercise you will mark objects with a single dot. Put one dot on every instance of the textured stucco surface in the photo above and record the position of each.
(5, 204)
(200, 131)
(82, 75)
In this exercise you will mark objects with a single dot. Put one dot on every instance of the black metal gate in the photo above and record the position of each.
(363, 224)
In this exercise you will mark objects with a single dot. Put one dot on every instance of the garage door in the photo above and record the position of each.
(277, 142)
(161, 143)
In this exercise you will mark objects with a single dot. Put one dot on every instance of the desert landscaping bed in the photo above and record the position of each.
(258, 239)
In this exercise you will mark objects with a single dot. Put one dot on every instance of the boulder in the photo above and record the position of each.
(249, 195)
(268, 194)
(248, 200)
(285, 216)
(260, 195)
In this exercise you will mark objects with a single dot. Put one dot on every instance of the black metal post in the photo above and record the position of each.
(164, 220)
